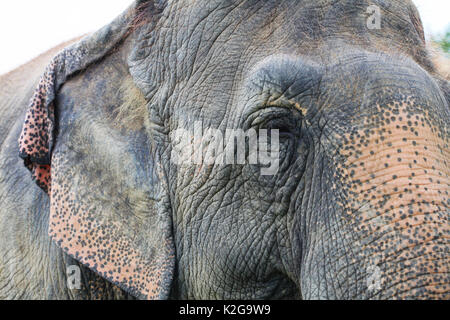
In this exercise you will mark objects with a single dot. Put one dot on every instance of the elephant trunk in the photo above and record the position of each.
(389, 235)
(400, 207)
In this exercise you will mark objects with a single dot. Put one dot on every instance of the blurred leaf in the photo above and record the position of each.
(443, 42)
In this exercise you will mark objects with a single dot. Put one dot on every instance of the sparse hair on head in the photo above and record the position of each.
(145, 13)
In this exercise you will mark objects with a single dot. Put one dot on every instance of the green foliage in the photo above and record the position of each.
(444, 42)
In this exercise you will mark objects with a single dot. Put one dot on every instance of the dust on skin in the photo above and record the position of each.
(397, 179)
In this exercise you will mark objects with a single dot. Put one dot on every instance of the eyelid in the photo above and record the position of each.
(270, 114)
(291, 104)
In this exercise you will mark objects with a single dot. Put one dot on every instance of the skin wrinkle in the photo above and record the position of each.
(397, 254)
(327, 228)
(211, 73)
(347, 256)
(431, 285)
(309, 209)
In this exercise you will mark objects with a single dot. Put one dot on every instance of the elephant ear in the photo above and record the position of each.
(120, 229)
(37, 137)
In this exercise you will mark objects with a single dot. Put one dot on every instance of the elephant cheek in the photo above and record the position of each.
(398, 183)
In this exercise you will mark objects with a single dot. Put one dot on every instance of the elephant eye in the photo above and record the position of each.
(285, 126)
(286, 121)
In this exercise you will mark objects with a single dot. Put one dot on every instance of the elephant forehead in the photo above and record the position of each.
(213, 46)
(291, 25)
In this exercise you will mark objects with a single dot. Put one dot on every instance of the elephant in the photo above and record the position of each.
(343, 95)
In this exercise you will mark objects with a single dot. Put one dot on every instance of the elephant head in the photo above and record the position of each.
(358, 205)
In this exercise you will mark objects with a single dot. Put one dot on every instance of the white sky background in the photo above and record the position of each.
(31, 27)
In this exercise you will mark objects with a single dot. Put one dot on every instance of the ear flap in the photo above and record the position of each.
(105, 239)
(37, 138)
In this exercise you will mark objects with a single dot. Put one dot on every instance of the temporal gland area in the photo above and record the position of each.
(396, 178)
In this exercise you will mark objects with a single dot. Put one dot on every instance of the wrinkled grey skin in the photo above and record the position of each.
(237, 234)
